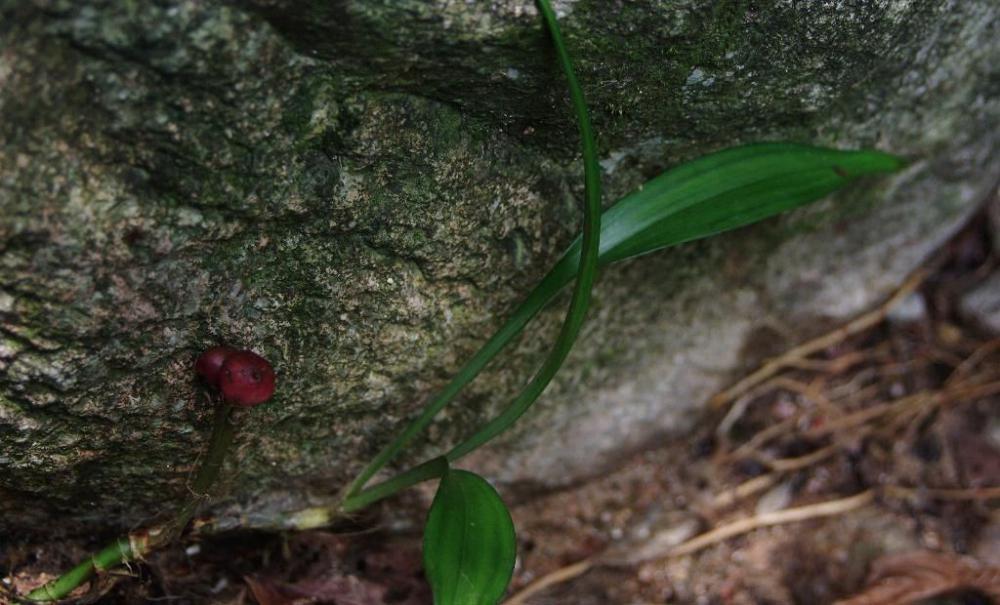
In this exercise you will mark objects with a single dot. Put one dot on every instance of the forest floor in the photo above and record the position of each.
(862, 467)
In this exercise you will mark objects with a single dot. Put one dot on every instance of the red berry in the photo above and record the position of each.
(209, 364)
(246, 379)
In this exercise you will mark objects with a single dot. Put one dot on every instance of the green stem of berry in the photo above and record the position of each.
(119, 552)
(138, 544)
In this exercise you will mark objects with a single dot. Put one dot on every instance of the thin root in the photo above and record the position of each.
(804, 350)
(563, 574)
(719, 534)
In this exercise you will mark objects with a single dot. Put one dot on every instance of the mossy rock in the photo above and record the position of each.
(360, 191)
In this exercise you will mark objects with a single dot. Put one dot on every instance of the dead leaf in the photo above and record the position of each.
(908, 577)
(266, 592)
(333, 590)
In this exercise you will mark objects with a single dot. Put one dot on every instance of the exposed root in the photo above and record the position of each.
(563, 574)
(701, 541)
(975, 493)
(831, 414)
(744, 490)
(789, 515)
(804, 350)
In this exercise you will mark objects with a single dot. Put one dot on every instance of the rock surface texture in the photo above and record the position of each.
(360, 190)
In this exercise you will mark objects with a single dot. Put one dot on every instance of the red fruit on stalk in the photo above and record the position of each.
(209, 364)
(246, 379)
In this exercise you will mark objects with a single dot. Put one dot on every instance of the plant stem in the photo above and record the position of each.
(546, 290)
(539, 297)
(113, 555)
(588, 261)
(138, 544)
(223, 433)
(536, 301)
(432, 469)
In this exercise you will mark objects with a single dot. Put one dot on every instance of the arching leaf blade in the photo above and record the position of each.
(469, 542)
(722, 191)
(745, 205)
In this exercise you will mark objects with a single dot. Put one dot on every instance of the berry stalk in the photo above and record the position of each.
(138, 544)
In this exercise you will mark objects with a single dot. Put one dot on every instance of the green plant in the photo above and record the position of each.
(718, 192)
(469, 541)
(228, 412)
(137, 544)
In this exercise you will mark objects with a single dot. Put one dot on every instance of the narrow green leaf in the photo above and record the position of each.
(718, 192)
(721, 191)
(584, 271)
(469, 546)
(715, 193)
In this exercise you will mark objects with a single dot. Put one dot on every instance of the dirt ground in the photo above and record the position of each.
(862, 467)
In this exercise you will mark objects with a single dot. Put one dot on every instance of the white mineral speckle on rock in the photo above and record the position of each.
(696, 76)
(6, 302)
(611, 162)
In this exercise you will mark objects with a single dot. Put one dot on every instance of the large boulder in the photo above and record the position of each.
(361, 190)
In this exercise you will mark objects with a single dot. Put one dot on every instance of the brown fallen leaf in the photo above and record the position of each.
(266, 592)
(332, 590)
(908, 577)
